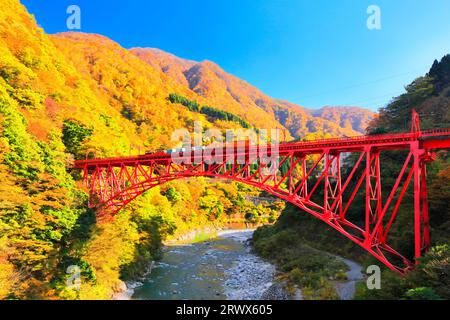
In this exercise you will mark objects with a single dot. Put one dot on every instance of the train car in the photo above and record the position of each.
(157, 153)
(170, 151)
(241, 145)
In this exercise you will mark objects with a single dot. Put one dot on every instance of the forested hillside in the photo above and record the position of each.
(296, 230)
(347, 117)
(232, 94)
(60, 96)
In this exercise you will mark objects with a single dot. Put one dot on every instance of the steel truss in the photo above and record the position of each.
(306, 174)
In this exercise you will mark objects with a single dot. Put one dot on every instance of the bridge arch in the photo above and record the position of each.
(298, 180)
(318, 187)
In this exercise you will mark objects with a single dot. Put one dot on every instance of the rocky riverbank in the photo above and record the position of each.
(250, 276)
(220, 268)
(224, 267)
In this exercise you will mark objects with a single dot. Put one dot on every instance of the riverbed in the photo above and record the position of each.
(219, 269)
(223, 268)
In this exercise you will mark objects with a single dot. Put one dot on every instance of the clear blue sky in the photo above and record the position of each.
(311, 52)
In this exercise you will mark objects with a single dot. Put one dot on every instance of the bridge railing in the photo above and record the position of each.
(436, 132)
(310, 143)
(362, 138)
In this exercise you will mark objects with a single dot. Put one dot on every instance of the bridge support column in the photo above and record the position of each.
(304, 175)
(425, 218)
(114, 182)
(373, 194)
(333, 185)
(421, 220)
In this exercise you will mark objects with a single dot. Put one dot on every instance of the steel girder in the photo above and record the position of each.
(306, 174)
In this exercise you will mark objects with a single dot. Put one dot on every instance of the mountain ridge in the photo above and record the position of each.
(231, 93)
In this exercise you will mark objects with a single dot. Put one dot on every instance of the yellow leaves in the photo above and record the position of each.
(112, 245)
(8, 277)
(11, 195)
(31, 251)
(45, 80)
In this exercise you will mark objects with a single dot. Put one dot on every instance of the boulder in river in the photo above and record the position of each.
(119, 287)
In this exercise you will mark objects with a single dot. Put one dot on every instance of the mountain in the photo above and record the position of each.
(63, 94)
(209, 82)
(353, 118)
(134, 90)
(171, 65)
(287, 242)
(59, 96)
(232, 94)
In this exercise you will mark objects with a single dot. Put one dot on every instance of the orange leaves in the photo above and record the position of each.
(11, 195)
(51, 107)
(39, 130)
(48, 193)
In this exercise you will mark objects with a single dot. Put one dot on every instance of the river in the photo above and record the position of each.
(223, 268)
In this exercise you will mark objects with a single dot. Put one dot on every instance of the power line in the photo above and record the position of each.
(363, 83)
(377, 98)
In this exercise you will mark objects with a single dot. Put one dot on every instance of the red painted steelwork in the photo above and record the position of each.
(309, 175)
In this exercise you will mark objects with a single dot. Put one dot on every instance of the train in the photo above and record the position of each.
(193, 149)
(238, 145)
(174, 150)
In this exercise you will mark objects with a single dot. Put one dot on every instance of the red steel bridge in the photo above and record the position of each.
(310, 176)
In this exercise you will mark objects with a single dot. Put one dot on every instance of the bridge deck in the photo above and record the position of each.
(317, 187)
(428, 140)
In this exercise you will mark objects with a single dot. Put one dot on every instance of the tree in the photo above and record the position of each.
(212, 205)
(74, 134)
(173, 195)
(214, 113)
(440, 72)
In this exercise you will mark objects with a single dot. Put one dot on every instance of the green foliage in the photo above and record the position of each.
(85, 268)
(23, 157)
(397, 115)
(422, 293)
(420, 89)
(173, 195)
(212, 205)
(429, 281)
(9, 73)
(440, 72)
(74, 134)
(130, 113)
(28, 98)
(45, 222)
(307, 267)
(223, 115)
(153, 231)
(106, 119)
(434, 271)
(393, 287)
(214, 113)
(427, 94)
(29, 58)
(191, 105)
(42, 213)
